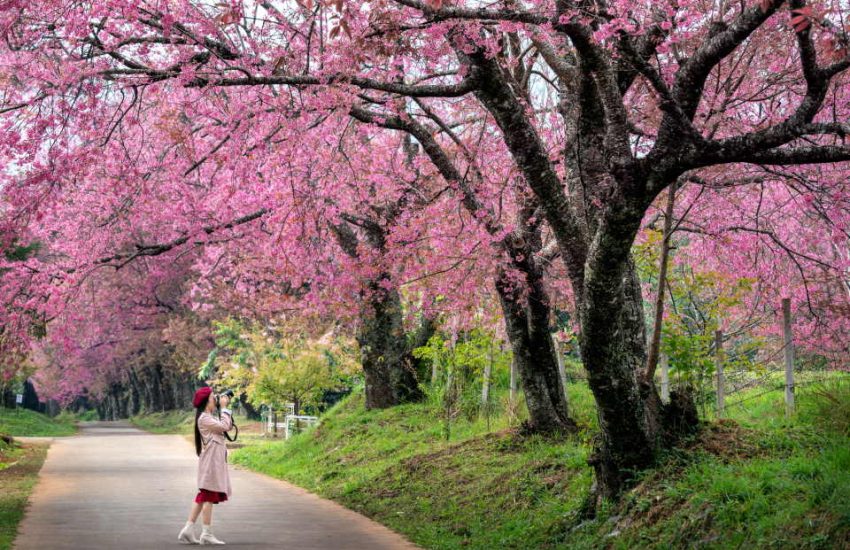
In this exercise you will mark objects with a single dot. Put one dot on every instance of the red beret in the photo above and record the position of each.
(200, 395)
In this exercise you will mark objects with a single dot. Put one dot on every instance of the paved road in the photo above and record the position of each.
(114, 486)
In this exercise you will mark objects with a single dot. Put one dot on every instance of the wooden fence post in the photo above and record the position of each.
(718, 365)
(562, 370)
(434, 372)
(789, 357)
(485, 387)
(665, 378)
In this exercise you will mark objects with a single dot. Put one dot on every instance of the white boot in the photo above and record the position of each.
(208, 538)
(187, 534)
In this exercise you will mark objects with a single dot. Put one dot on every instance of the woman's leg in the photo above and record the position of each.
(187, 534)
(195, 512)
(208, 507)
(206, 535)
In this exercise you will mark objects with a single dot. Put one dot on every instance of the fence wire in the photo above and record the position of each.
(781, 387)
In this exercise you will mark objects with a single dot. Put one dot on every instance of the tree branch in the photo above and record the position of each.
(161, 248)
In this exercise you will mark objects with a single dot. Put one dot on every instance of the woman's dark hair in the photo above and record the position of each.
(198, 410)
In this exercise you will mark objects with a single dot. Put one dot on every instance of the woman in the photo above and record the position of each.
(213, 479)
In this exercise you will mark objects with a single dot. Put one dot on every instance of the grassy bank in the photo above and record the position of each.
(755, 480)
(24, 422)
(19, 466)
(181, 422)
(170, 422)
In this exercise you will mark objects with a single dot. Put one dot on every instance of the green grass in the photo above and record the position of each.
(19, 466)
(757, 480)
(84, 416)
(170, 422)
(24, 422)
(181, 422)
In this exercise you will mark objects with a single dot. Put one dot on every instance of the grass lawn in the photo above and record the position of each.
(170, 422)
(181, 421)
(19, 466)
(24, 422)
(754, 480)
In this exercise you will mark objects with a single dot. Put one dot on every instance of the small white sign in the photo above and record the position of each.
(19, 398)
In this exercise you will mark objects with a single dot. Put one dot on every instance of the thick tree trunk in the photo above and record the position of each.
(30, 396)
(251, 412)
(634, 423)
(145, 393)
(109, 408)
(135, 401)
(165, 389)
(613, 349)
(390, 374)
(122, 395)
(527, 324)
(185, 387)
(8, 398)
(388, 366)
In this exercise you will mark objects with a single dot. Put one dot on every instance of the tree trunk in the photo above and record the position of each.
(166, 394)
(146, 391)
(527, 324)
(658, 320)
(30, 396)
(135, 401)
(634, 423)
(8, 398)
(250, 411)
(390, 375)
(388, 366)
(613, 348)
(435, 373)
(123, 401)
(485, 382)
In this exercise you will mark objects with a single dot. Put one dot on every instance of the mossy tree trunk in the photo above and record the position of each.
(387, 362)
(385, 349)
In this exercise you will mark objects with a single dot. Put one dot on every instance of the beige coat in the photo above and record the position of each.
(212, 464)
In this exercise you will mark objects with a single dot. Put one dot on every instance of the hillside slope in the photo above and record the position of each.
(756, 481)
(24, 422)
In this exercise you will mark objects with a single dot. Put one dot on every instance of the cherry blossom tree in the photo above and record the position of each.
(600, 107)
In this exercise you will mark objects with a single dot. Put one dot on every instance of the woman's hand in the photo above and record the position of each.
(224, 401)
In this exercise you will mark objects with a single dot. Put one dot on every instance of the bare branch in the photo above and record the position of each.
(161, 248)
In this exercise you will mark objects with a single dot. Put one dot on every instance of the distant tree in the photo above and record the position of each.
(274, 368)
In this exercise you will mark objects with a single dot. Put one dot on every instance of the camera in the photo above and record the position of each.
(228, 393)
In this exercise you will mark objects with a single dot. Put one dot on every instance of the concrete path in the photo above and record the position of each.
(114, 486)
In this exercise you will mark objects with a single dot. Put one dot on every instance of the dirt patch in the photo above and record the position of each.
(27, 461)
(728, 440)
(386, 493)
(646, 505)
(505, 441)
(557, 479)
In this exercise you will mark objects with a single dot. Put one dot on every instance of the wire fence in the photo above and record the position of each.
(780, 386)
(775, 372)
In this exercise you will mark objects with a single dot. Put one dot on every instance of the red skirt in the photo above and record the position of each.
(210, 496)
